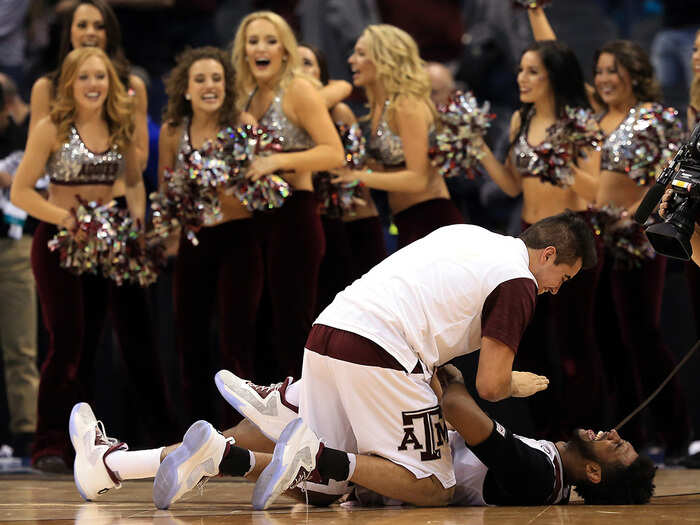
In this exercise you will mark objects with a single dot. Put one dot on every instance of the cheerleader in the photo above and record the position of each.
(560, 341)
(354, 238)
(402, 120)
(272, 88)
(92, 23)
(83, 146)
(224, 270)
(632, 279)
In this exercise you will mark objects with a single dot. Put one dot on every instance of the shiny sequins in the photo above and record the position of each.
(385, 146)
(464, 125)
(74, 163)
(643, 143)
(551, 160)
(291, 136)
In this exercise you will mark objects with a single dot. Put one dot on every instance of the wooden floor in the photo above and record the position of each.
(54, 499)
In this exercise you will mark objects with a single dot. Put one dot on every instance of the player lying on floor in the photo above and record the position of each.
(492, 465)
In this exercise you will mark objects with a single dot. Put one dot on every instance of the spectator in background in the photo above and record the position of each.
(334, 26)
(18, 312)
(436, 26)
(672, 49)
(13, 39)
(17, 108)
(441, 81)
(480, 200)
(464, 193)
(155, 31)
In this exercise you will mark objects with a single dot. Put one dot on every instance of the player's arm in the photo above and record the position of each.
(460, 409)
(493, 377)
(508, 459)
(506, 312)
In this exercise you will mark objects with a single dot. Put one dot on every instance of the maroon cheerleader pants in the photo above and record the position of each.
(74, 310)
(223, 275)
(425, 217)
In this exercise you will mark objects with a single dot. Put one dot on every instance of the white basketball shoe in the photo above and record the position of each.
(293, 461)
(92, 475)
(266, 406)
(195, 460)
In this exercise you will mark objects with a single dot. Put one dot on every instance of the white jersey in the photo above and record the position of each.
(425, 301)
(543, 466)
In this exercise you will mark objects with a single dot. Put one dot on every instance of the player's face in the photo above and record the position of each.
(88, 28)
(309, 64)
(364, 71)
(533, 79)
(606, 447)
(551, 276)
(206, 85)
(612, 81)
(263, 50)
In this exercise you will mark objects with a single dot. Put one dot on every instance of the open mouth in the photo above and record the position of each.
(93, 95)
(90, 43)
(262, 62)
(209, 97)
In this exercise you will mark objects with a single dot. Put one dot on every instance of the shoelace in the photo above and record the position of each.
(200, 485)
(202, 482)
(101, 436)
(302, 476)
(265, 390)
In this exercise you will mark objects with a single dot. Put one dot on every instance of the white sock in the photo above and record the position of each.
(352, 458)
(292, 393)
(136, 464)
(252, 462)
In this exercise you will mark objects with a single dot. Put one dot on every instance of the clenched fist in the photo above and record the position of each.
(524, 384)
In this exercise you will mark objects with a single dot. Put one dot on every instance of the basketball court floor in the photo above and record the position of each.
(51, 499)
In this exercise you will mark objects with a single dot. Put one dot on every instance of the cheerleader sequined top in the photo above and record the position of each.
(73, 163)
(292, 137)
(385, 146)
(642, 143)
(524, 157)
(184, 148)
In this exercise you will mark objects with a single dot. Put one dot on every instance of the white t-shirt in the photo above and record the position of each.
(426, 300)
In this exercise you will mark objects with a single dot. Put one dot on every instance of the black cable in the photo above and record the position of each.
(677, 495)
(663, 384)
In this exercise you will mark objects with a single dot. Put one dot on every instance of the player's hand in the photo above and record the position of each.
(448, 374)
(524, 384)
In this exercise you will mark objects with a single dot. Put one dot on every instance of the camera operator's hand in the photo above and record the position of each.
(666, 201)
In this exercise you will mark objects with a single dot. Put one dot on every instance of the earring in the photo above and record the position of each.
(188, 96)
(284, 59)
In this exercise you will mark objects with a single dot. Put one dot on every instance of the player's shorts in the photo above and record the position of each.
(359, 399)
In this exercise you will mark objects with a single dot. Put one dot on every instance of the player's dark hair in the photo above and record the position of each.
(619, 485)
(568, 233)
